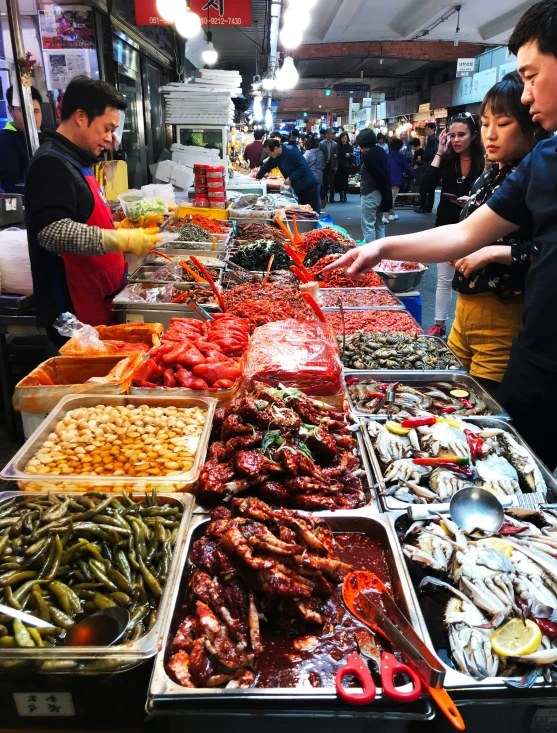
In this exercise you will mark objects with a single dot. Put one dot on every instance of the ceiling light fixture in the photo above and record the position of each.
(188, 24)
(268, 118)
(457, 8)
(257, 109)
(291, 36)
(209, 53)
(268, 82)
(169, 10)
(297, 17)
(288, 76)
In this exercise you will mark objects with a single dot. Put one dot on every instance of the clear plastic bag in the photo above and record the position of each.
(252, 206)
(84, 335)
(15, 267)
(296, 354)
(140, 293)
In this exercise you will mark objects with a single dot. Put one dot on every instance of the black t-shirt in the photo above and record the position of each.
(528, 197)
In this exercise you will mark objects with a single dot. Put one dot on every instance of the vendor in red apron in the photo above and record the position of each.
(76, 255)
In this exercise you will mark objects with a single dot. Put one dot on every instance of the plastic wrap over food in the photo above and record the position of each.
(140, 293)
(252, 206)
(123, 338)
(296, 354)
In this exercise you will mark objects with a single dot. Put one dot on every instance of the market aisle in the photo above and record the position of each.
(348, 216)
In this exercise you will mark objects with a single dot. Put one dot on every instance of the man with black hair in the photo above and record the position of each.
(375, 187)
(14, 156)
(526, 198)
(427, 194)
(254, 151)
(76, 254)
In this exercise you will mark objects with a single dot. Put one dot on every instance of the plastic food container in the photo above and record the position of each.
(221, 395)
(89, 660)
(217, 204)
(186, 210)
(15, 469)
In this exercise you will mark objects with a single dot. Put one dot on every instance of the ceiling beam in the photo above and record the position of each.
(505, 22)
(411, 19)
(345, 16)
(419, 50)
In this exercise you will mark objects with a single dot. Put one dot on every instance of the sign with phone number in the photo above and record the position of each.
(211, 12)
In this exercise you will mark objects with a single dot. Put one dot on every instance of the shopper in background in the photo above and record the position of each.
(417, 155)
(345, 163)
(375, 188)
(294, 138)
(382, 142)
(76, 254)
(295, 169)
(14, 156)
(398, 165)
(254, 151)
(427, 194)
(406, 149)
(458, 162)
(529, 388)
(330, 154)
(316, 161)
(275, 135)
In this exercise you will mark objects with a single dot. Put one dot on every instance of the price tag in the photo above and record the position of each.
(134, 318)
(11, 204)
(44, 704)
(545, 721)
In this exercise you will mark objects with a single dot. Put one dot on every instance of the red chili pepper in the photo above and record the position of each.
(375, 394)
(448, 410)
(508, 528)
(352, 380)
(468, 405)
(415, 422)
(547, 627)
(458, 460)
(383, 387)
(474, 443)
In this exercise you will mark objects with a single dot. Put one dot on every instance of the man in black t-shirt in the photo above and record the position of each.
(529, 195)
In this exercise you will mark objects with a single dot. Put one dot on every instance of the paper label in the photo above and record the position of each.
(134, 318)
(44, 704)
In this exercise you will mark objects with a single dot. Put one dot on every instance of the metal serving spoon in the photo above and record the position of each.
(475, 508)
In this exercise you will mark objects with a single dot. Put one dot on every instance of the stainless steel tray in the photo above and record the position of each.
(181, 254)
(371, 372)
(303, 226)
(146, 274)
(339, 291)
(391, 504)
(418, 378)
(88, 660)
(166, 696)
(462, 687)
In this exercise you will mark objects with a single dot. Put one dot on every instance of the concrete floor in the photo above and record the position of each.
(348, 216)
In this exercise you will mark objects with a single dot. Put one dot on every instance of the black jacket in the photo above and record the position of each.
(450, 176)
(13, 160)
(345, 164)
(376, 167)
(54, 190)
(431, 148)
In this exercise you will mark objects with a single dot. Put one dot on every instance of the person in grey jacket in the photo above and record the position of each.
(316, 161)
(329, 149)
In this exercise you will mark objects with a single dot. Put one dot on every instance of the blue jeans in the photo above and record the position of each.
(372, 216)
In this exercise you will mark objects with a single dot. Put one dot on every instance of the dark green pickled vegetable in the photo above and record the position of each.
(255, 256)
(63, 558)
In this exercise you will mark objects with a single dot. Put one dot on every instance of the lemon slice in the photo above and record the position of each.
(516, 638)
(498, 543)
(459, 393)
(396, 428)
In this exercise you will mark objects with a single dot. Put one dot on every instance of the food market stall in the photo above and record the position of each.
(259, 451)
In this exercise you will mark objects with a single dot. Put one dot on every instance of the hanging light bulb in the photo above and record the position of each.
(268, 81)
(188, 24)
(209, 54)
(268, 118)
(297, 17)
(291, 36)
(257, 109)
(171, 9)
(288, 76)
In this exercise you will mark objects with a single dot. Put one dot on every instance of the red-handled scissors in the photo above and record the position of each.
(390, 667)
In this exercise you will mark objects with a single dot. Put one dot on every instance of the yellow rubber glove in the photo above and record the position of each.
(136, 241)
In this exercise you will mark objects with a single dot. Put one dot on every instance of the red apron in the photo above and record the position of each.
(94, 281)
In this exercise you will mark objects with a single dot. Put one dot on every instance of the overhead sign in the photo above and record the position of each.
(211, 12)
(407, 87)
(362, 88)
(377, 97)
(465, 67)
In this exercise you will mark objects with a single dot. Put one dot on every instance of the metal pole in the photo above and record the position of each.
(16, 35)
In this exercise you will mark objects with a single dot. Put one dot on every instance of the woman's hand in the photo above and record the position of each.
(444, 143)
(476, 261)
(287, 181)
(356, 262)
(462, 201)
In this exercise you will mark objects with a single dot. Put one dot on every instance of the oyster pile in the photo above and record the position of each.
(396, 351)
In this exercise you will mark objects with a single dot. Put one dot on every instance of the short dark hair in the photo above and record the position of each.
(93, 96)
(342, 134)
(431, 125)
(295, 133)
(35, 96)
(539, 24)
(396, 143)
(415, 142)
(258, 134)
(271, 145)
(311, 143)
(329, 129)
(380, 136)
(276, 135)
(504, 98)
(366, 139)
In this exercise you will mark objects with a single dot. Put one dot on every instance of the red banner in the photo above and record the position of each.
(212, 12)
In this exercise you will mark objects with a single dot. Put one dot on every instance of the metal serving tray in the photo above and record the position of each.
(306, 225)
(87, 660)
(167, 697)
(463, 688)
(418, 378)
(340, 291)
(15, 469)
(368, 309)
(146, 273)
(391, 504)
(403, 372)
(183, 254)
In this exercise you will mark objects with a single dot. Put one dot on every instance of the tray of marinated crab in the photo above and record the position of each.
(488, 601)
(259, 621)
(421, 394)
(426, 460)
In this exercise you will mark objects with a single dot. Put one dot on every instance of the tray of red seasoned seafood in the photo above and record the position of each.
(259, 612)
